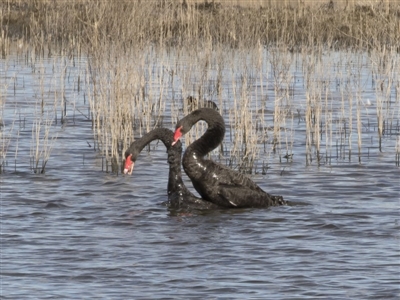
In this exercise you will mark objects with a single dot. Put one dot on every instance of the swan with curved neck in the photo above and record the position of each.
(214, 182)
(178, 195)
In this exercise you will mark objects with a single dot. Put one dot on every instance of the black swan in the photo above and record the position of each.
(214, 182)
(178, 195)
(193, 104)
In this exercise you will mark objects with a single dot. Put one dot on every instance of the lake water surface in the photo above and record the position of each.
(77, 232)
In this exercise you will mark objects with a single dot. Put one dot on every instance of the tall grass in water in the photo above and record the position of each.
(5, 139)
(42, 143)
(39, 90)
(145, 57)
(316, 84)
(5, 132)
(123, 98)
(244, 149)
(385, 66)
(48, 101)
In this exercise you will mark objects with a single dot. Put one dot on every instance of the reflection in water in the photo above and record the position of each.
(77, 232)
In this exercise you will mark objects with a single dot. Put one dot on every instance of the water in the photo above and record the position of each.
(77, 232)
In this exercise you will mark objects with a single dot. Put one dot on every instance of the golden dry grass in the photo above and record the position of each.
(342, 4)
(190, 23)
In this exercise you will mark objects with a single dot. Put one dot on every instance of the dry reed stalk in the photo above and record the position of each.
(42, 144)
(328, 128)
(359, 125)
(244, 142)
(43, 139)
(281, 61)
(5, 136)
(261, 100)
(355, 84)
(343, 125)
(309, 132)
(384, 66)
(350, 120)
(5, 44)
(289, 138)
(316, 86)
(397, 149)
(246, 128)
(358, 88)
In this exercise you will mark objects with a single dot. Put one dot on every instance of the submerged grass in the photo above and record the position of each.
(145, 57)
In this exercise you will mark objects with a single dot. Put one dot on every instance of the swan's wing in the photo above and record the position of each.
(239, 196)
(231, 177)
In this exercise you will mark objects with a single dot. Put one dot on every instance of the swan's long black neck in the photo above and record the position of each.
(163, 134)
(207, 142)
(175, 182)
(193, 160)
(214, 135)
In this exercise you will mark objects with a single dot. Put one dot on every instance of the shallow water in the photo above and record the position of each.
(77, 232)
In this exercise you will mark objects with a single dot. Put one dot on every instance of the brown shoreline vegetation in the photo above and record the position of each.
(184, 23)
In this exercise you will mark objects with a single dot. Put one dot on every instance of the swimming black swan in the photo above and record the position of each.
(178, 195)
(214, 182)
(193, 104)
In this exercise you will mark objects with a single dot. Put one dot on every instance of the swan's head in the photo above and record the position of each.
(182, 128)
(129, 164)
(130, 158)
(210, 115)
(177, 135)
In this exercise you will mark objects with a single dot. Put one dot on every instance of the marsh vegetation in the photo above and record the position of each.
(322, 79)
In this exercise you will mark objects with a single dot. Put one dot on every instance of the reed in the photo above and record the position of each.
(122, 98)
(244, 150)
(357, 88)
(397, 149)
(44, 136)
(317, 86)
(5, 140)
(328, 115)
(42, 144)
(385, 68)
(145, 57)
(7, 128)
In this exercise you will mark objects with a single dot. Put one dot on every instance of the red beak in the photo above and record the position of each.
(177, 135)
(128, 168)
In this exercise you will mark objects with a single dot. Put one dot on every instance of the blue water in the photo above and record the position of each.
(81, 233)
(77, 232)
